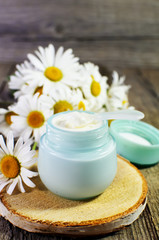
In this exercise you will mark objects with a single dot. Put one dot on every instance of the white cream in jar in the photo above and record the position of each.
(76, 121)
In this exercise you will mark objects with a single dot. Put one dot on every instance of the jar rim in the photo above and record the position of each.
(49, 122)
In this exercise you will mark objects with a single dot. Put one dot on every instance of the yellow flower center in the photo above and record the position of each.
(35, 119)
(95, 87)
(10, 166)
(39, 90)
(82, 106)
(53, 74)
(62, 106)
(124, 102)
(8, 116)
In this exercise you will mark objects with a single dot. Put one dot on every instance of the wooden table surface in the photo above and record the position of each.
(117, 35)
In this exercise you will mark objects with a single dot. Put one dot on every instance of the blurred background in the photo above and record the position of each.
(116, 35)
(110, 33)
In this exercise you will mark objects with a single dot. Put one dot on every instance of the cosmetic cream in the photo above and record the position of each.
(76, 121)
(135, 138)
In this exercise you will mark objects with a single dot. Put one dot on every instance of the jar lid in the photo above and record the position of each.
(137, 141)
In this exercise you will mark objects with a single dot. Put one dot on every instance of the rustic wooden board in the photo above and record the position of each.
(41, 211)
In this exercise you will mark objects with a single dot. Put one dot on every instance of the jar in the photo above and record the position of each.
(77, 165)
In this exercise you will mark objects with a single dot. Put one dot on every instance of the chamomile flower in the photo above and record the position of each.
(17, 81)
(32, 117)
(118, 89)
(32, 89)
(80, 102)
(5, 120)
(114, 104)
(52, 70)
(84, 105)
(94, 84)
(65, 100)
(14, 163)
(118, 94)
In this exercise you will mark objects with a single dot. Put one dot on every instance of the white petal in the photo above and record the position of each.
(2, 185)
(29, 155)
(46, 101)
(42, 58)
(50, 55)
(21, 108)
(26, 133)
(20, 185)
(4, 125)
(122, 79)
(29, 173)
(115, 77)
(27, 181)
(36, 134)
(12, 186)
(22, 154)
(34, 101)
(18, 146)
(3, 145)
(3, 111)
(2, 177)
(29, 163)
(28, 142)
(58, 56)
(18, 122)
(10, 142)
(25, 155)
(2, 118)
(2, 154)
(36, 62)
(23, 148)
(23, 133)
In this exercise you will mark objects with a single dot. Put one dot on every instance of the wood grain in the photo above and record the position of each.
(153, 78)
(144, 93)
(79, 18)
(110, 53)
(152, 176)
(113, 33)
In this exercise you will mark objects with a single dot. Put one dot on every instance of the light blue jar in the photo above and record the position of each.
(77, 165)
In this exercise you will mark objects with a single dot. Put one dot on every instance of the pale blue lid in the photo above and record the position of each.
(136, 152)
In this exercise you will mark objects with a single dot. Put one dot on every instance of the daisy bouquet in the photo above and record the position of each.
(47, 83)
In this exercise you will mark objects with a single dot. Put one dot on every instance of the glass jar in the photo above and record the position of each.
(77, 165)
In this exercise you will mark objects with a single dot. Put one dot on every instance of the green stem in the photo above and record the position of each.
(34, 146)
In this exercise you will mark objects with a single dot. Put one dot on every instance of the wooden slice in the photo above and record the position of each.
(39, 210)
